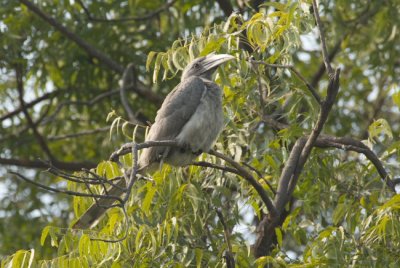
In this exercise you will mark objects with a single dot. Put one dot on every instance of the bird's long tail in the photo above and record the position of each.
(91, 217)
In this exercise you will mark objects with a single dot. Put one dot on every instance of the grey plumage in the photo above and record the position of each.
(191, 114)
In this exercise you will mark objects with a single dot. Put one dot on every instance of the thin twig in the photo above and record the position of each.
(249, 178)
(325, 54)
(230, 260)
(312, 90)
(260, 176)
(45, 96)
(20, 87)
(78, 134)
(67, 192)
(309, 86)
(127, 19)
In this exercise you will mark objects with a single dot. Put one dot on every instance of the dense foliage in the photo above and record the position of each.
(61, 69)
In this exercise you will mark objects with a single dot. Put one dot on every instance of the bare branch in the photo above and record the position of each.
(261, 177)
(127, 19)
(321, 70)
(322, 38)
(226, 6)
(79, 134)
(249, 178)
(39, 137)
(67, 192)
(70, 166)
(215, 166)
(230, 260)
(291, 68)
(312, 90)
(92, 51)
(129, 78)
(30, 104)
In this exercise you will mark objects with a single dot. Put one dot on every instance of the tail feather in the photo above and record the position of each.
(92, 216)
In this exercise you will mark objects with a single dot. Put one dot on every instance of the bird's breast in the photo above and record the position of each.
(204, 126)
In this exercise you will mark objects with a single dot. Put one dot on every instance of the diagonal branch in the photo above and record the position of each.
(226, 7)
(310, 87)
(250, 179)
(298, 156)
(45, 96)
(91, 50)
(325, 54)
(135, 18)
(342, 143)
(39, 137)
(70, 166)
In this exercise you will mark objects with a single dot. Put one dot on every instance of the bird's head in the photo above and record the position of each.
(205, 66)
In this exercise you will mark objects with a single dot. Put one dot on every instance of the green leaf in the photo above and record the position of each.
(396, 99)
(339, 213)
(151, 190)
(213, 46)
(149, 60)
(380, 126)
(157, 66)
(45, 232)
(279, 236)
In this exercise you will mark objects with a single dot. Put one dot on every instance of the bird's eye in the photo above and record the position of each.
(196, 65)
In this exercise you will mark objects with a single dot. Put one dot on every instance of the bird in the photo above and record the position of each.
(191, 115)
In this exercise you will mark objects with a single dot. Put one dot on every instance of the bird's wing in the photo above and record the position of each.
(174, 113)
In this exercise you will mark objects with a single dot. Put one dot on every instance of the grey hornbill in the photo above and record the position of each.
(191, 115)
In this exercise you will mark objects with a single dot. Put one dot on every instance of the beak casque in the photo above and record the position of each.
(214, 60)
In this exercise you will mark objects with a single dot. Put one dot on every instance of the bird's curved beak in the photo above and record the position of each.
(214, 60)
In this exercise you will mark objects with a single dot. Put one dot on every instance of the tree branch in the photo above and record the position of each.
(136, 18)
(312, 90)
(78, 134)
(250, 179)
(39, 137)
(70, 166)
(92, 51)
(226, 7)
(325, 54)
(28, 105)
(298, 156)
(230, 260)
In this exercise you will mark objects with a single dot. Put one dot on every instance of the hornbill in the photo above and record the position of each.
(191, 115)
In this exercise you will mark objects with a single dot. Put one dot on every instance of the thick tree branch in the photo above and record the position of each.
(298, 156)
(342, 143)
(226, 7)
